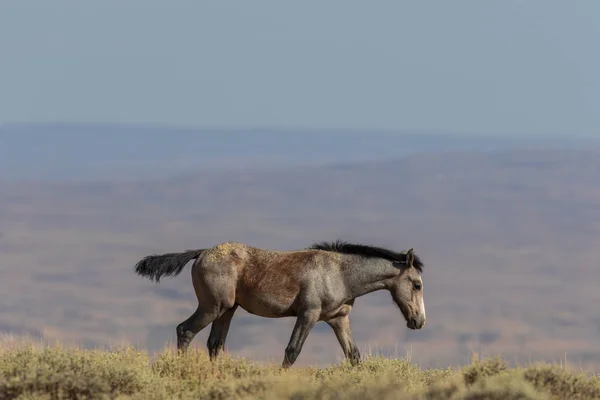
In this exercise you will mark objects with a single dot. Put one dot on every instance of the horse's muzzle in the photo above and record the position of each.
(416, 322)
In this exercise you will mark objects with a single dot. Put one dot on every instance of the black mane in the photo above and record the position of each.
(367, 251)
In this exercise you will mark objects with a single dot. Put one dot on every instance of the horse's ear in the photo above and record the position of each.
(410, 256)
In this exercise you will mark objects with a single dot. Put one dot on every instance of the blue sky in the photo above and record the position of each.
(516, 67)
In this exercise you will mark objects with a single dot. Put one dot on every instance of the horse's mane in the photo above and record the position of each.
(339, 246)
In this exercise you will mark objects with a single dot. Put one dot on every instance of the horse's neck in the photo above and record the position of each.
(368, 276)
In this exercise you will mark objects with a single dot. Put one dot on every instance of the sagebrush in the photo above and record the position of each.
(55, 372)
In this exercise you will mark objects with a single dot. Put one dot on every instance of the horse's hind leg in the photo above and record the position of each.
(218, 333)
(188, 329)
(216, 295)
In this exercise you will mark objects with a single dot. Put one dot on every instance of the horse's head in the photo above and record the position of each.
(407, 290)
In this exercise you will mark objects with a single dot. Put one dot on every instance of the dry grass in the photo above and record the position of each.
(33, 371)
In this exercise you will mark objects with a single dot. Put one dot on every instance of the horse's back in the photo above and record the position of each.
(226, 253)
(267, 282)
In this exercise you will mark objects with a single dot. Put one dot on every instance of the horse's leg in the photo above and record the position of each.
(216, 295)
(341, 328)
(304, 323)
(188, 329)
(218, 333)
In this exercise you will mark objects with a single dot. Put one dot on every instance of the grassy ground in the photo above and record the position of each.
(29, 371)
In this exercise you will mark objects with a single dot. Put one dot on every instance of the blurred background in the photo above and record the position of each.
(467, 130)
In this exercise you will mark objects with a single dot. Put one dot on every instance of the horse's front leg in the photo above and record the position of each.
(304, 323)
(341, 328)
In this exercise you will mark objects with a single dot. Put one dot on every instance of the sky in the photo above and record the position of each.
(509, 67)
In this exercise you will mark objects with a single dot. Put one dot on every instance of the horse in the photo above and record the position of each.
(318, 283)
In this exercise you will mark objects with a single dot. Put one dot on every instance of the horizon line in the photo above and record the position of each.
(289, 129)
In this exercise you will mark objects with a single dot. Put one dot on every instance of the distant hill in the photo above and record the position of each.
(509, 239)
(108, 151)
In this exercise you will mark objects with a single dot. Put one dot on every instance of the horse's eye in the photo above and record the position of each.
(417, 286)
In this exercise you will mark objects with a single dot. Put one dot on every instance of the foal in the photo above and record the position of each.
(319, 283)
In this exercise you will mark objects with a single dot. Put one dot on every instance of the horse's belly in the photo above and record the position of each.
(266, 305)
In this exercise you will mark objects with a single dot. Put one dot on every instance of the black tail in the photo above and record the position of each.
(170, 264)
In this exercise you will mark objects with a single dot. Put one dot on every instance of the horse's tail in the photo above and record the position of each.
(170, 264)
